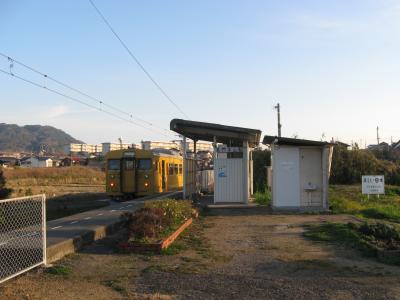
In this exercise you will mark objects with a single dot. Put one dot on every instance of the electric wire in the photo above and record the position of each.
(11, 59)
(79, 101)
(79, 91)
(137, 61)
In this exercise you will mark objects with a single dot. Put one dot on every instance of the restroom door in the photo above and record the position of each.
(285, 178)
(311, 176)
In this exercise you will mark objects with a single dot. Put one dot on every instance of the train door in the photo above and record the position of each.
(163, 176)
(128, 175)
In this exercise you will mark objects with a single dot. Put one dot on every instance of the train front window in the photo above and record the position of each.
(114, 164)
(129, 164)
(144, 164)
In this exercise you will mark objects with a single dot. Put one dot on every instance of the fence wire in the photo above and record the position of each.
(22, 235)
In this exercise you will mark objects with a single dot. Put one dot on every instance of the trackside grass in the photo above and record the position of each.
(349, 200)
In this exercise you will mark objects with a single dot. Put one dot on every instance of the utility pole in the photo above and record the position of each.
(377, 134)
(278, 108)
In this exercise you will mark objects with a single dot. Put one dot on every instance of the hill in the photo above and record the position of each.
(33, 138)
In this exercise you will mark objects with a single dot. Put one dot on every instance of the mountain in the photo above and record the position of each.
(33, 138)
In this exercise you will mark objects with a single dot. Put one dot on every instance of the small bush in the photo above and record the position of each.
(147, 223)
(157, 218)
(177, 211)
(263, 198)
(4, 192)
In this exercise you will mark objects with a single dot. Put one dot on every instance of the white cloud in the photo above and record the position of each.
(56, 111)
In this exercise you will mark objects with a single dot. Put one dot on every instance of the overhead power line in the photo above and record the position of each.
(137, 61)
(100, 102)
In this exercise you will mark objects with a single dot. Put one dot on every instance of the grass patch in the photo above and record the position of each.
(349, 200)
(173, 249)
(60, 270)
(263, 197)
(370, 239)
(152, 269)
(115, 286)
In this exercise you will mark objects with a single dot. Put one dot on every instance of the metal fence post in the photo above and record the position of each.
(44, 229)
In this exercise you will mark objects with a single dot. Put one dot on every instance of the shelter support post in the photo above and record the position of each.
(184, 167)
(246, 190)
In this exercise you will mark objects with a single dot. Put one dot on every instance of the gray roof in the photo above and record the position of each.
(207, 131)
(269, 139)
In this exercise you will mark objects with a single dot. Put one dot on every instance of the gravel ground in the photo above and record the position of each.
(247, 254)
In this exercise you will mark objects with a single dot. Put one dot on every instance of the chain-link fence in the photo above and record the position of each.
(22, 235)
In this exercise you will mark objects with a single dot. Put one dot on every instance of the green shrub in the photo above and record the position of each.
(4, 192)
(157, 219)
(263, 198)
(177, 211)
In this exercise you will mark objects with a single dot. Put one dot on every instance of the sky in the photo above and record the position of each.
(333, 66)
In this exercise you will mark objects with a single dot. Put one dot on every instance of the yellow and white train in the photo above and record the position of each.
(136, 172)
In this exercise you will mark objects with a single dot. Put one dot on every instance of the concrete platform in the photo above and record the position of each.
(69, 234)
(232, 205)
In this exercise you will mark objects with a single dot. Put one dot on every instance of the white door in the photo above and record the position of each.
(285, 180)
(228, 178)
(311, 176)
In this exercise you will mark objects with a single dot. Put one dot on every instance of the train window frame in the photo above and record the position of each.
(142, 168)
(114, 164)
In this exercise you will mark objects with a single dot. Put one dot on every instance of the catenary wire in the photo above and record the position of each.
(79, 101)
(81, 92)
(137, 61)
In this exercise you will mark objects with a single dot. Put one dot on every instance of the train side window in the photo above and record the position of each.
(171, 169)
(129, 164)
(176, 168)
(114, 164)
(180, 169)
(144, 164)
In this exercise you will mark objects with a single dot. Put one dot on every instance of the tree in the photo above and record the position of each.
(4, 191)
(261, 159)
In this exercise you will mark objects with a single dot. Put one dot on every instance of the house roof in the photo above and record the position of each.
(269, 139)
(222, 133)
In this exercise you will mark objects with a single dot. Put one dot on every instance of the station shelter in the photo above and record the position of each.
(233, 172)
(300, 173)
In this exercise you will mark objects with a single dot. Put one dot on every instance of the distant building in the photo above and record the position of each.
(83, 148)
(36, 162)
(150, 145)
(381, 146)
(200, 146)
(8, 161)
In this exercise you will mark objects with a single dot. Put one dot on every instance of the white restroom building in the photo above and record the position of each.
(300, 173)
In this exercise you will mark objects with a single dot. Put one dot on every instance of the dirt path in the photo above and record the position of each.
(245, 256)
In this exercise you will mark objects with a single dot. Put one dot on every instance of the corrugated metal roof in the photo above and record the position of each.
(269, 139)
(207, 131)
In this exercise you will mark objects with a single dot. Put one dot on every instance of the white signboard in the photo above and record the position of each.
(373, 184)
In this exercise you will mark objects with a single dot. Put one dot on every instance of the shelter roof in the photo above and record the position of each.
(269, 139)
(222, 133)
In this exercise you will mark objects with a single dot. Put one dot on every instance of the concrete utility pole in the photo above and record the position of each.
(377, 134)
(278, 108)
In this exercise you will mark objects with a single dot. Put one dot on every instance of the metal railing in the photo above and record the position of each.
(22, 235)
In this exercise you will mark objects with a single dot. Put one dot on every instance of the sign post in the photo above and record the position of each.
(373, 185)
